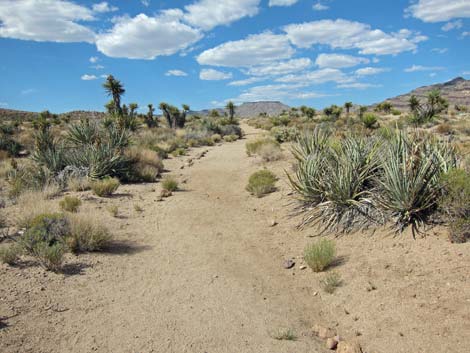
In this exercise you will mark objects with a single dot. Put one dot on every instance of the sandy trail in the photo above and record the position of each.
(197, 273)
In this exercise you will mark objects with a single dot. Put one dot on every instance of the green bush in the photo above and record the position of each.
(105, 187)
(9, 254)
(261, 183)
(70, 203)
(320, 255)
(370, 120)
(45, 239)
(169, 183)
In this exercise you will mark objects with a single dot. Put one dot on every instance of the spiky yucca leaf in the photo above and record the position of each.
(83, 133)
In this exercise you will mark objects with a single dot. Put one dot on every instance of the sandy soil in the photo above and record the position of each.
(202, 271)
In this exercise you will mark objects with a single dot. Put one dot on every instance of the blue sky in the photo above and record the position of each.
(55, 53)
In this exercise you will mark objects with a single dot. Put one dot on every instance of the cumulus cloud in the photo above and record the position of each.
(320, 7)
(338, 61)
(280, 68)
(452, 25)
(276, 92)
(143, 37)
(255, 49)
(415, 68)
(93, 59)
(46, 20)
(207, 14)
(369, 71)
(281, 2)
(87, 77)
(316, 77)
(214, 75)
(346, 34)
(176, 73)
(103, 7)
(358, 85)
(439, 10)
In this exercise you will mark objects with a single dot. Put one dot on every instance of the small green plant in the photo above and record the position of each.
(169, 183)
(285, 335)
(70, 204)
(9, 254)
(216, 138)
(178, 152)
(113, 210)
(138, 208)
(105, 187)
(87, 233)
(230, 138)
(261, 183)
(330, 282)
(370, 120)
(320, 255)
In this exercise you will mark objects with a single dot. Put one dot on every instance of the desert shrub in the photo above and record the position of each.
(284, 134)
(147, 164)
(78, 184)
(455, 204)
(261, 183)
(9, 145)
(408, 185)
(230, 138)
(333, 178)
(253, 147)
(330, 282)
(70, 203)
(87, 233)
(44, 239)
(28, 177)
(216, 138)
(444, 129)
(231, 129)
(32, 204)
(281, 120)
(105, 187)
(9, 254)
(318, 256)
(180, 151)
(113, 210)
(270, 152)
(285, 335)
(169, 183)
(370, 120)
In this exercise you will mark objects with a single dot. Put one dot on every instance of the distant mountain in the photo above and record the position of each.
(250, 109)
(11, 114)
(456, 91)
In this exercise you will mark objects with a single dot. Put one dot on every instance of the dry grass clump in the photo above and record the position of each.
(9, 254)
(216, 138)
(261, 183)
(30, 205)
(113, 210)
(320, 255)
(147, 163)
(254, 147)
(87, 233)
(70, 204)
(285, 335)
(230, 138)
(169, 183)
(105, 187)
(330, 282)
(78, 184)
(270, 152)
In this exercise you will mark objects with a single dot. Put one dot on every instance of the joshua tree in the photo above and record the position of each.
(231, 110)
(414, 104)
(214, 113)
(333, 111)
(362, 110)
(385, 107)
(307, 111)
(133, 108)
(115, 89)
(174, 117)
(348, 106)
(425, 112)
(149, 119)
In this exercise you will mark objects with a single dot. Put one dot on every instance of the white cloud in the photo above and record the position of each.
(337, 61)
(368, 71)
(207, 14)
(28, 91)
(432, 74)
(87, 77)
(282, 2)
(176, 73)
(439, 10)
(316, 77)
(103, 7)
(144, 37)
(465, 34)
(358, 85)
(45, 20)
(320, 7)
(214, 75)
(466, 73)
(415, 68)
(439, 50)
(254, 50)
(104, 76)
(146, 3)
(346, 34)
(93, 59)
(247, 81)
(277, 92)
(452, 25)
(3, 104)
(97, 67)
(280, 68)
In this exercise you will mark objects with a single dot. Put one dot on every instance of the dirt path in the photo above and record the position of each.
(199, 272)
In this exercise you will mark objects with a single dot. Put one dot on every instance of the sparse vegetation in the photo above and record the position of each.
(330, 282)
(70, 203)
(113, 210)
(318, 256)
(9, 254)
(285, 335)
(105, 187)
(87, 233)
(261, 183)
(169, 183)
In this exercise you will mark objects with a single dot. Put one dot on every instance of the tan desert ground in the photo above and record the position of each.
(203, 271)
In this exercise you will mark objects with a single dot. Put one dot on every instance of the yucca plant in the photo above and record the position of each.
(83, 133)
(408, 185)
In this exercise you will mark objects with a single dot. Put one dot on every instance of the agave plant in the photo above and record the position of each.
(408, 185)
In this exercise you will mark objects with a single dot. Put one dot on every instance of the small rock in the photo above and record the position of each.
(348, 347)
(273, 223)
(303, 267)
(165, 193)
(289, 264)
(326, 332)
(331, 343)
